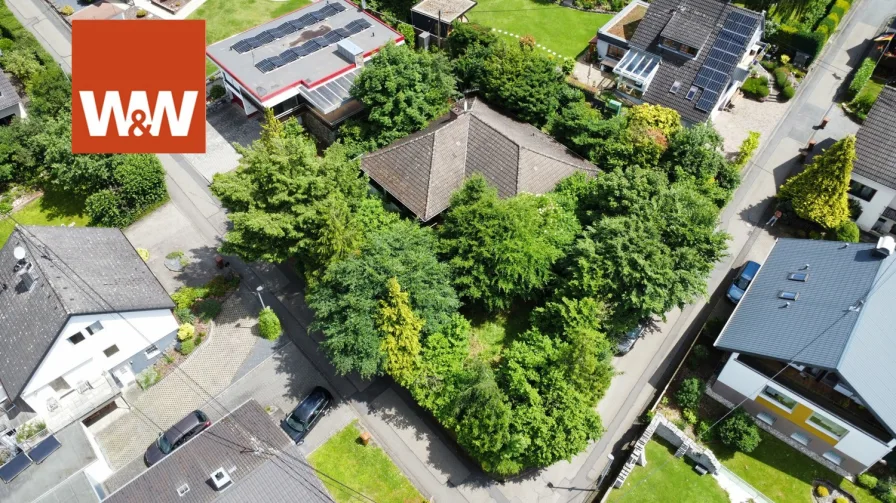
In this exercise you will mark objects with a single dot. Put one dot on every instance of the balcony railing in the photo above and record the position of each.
(819, 393)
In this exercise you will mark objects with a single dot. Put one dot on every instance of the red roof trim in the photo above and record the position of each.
(333, 75)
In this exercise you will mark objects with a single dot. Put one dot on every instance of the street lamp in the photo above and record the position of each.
(606, 470)
(258, 292)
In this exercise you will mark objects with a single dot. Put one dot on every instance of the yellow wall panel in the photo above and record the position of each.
(798, 416)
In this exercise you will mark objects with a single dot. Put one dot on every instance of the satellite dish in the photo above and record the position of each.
(19, 253)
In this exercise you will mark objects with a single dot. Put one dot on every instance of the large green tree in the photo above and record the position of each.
(403, 90)
(503, 250)
(346, 300)
(286, 201)
(401, 342)
(818, 194)
(695, 153)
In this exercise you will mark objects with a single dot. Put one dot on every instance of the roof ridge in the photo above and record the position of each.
(394, 146)
(595, 169)
(861, 314)
(45, 273)
(432, 162)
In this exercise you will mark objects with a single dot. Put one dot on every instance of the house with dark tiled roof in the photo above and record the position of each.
(80, 315)
(10, 102)
(243, 457)
(689, 55)
(813, 350)
(873, 183)
(422, 170)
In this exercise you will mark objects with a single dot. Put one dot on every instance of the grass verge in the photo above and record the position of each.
(353, 472)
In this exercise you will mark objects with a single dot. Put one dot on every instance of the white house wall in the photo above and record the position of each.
(855, 444)
(87, 358)
(871, 210)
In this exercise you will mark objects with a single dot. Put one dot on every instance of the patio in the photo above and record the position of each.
(79, 402)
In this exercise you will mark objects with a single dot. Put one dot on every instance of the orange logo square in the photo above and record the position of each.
(138, 87)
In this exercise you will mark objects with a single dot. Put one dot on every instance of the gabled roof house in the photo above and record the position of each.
(80, 315)
(422, 170)
(813, 351)
(690, 55)
(873, 182)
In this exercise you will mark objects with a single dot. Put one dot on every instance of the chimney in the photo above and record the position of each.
(221, 480)
(886, 245)
(460, 107)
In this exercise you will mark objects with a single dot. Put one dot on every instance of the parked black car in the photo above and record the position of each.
(299, 422)
(176, 436)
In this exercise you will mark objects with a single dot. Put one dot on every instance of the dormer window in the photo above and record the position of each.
(679, 47)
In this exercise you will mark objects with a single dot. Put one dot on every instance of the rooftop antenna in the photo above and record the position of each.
(806, 267)
(787, 304)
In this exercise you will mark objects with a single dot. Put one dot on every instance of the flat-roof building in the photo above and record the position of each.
(303, 62)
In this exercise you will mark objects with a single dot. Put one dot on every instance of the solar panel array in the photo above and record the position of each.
(310, 47)
(730, 45)
(287, 28)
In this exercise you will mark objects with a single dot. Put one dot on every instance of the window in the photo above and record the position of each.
(79, 337)
(691, 93)
(779, 398)
(861, 190)
(94, 327)
(615, 52)
(675, 87)
(152, 351)
(766, 418)
(789, 295)
(800, 438)
(827, 426)
(799, 276)
(678, 47)
(111, 350)
(833, 457)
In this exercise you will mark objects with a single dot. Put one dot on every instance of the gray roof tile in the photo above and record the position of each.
(819, 329)
(876, 141)
(8, 94)
(75, 267)
(266, 466)
(424, 169)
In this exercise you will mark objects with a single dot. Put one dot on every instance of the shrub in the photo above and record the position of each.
(407, 31)
(867, 481)
(207, 309)
(186, 331)
(745, 152)
(689, 416)
(148, 377)
(144, 254)
(141, 13)
(217, 92)
(268, 324)
(184, 315)
(768, 64)
(841, 499)
(29, 430)
(22, 63)
(757, 87)
(822, 492)
(186, 296)
(788, 92)
(187, 347)
(103, 209)
(688, 395)
(219, 286)
(863, 74)
(702, 430)
(862, 104)
(848, 232)
(785, 59)
(700, 353)
(781, 77)
(855, 209)
(67, 10)
(740, 432)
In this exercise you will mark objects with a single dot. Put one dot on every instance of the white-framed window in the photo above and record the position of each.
(800, 438)
(778, 398)
(827, 426)
(152, 351)
(766, 418)
(94, 327)
(833, 457)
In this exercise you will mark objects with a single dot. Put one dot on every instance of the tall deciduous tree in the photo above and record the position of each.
(346, 300)
(401, 329)
(403, 90)
(818, 194)
(502, 250)
(695, 153)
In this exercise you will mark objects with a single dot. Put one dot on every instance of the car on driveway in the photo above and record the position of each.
(299, 422)
(627, 342)
(176, 436)
(745, 275)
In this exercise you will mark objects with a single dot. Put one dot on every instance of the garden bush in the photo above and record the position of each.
(862, 104)
(841, 499)
(148, 377)
(217, 92)
(186, 331)
(219, 286)
(268, 324)
(29, 430)
(781, 77)
(208, 309)
(67, 10)
(863, 74)
(756, 86)
(787, 93)
(702, 430)
(688, 395)
(187, 346)
(740, 432)
(184, 315)
(848, 232)
(407, 31)
(822, 492)
(867, 481)
(745, 152)
(689, 416)
(141, 13)
(186, 296)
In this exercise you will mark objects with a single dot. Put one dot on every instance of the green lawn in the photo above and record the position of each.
(224, 18)
(355, 473)
(53, 208)
(781, 472)
(668, 479)
(561, 29)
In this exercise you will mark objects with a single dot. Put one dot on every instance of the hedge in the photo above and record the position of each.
(787, 92)
(863, 74)
(756, 86)
(803, 41)
(781, 75)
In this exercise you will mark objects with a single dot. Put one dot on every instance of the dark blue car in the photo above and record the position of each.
(299, 422)
(744, 276)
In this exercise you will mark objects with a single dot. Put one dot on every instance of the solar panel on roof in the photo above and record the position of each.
(288, 27)
(707, 100)
(332, 37)
(338, 7)
(14, 467)
(724, 55)
(266, 65)
(241, 47)
(42, 451)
